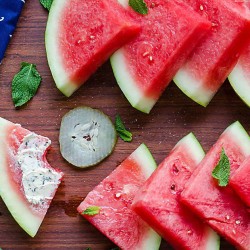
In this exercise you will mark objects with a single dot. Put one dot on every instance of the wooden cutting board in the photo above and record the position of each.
(173, 117)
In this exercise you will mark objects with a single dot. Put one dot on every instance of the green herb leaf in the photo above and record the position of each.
(124, 134)
(25, 84)
(115, 248)
(46, 4)
(88, 248)
(93, 210)
(222, 171)
(139, 6)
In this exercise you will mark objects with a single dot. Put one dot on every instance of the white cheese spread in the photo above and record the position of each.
(39, 182)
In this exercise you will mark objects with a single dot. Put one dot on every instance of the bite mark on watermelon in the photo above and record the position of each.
(27, 182)
(158, 200)
(240, 181)
(217, 53)
(81, 36)
(114, 196)
(219, 206)
(145, 66)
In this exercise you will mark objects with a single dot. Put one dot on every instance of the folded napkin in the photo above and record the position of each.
(9, 13)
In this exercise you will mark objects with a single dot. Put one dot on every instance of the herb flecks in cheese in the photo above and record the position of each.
(39, 182)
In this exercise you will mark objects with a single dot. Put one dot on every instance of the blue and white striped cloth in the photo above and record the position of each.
(9, 13)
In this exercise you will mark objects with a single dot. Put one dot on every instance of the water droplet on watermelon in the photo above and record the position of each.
(118, 195)
(108, 186)
(227, 217)
(237, 222)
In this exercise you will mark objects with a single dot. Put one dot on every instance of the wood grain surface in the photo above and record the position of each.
(173, 117)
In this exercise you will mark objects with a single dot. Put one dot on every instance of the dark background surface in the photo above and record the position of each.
(173, 117)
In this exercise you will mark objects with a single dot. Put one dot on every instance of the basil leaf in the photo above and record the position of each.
(139, 6)
(91, 211)
(124, 134)
(46, 4)
(25, 84)
(222, 171)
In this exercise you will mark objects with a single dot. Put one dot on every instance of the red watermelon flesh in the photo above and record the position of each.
(158, 204)
(27, 182)
(240, 76)
(114, 196)
(82, 35)
(145, 66)
(240, 181)
(217, 53)
(218, 206)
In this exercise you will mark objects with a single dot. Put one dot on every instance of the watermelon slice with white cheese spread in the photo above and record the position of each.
(27, 182)
(112, 200)
(158, 200)
(219, 206)
(145, 66)
(217, 53)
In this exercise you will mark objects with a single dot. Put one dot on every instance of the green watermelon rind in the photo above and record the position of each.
(240, 83)
(63, 83)
(197, 153)
(128, 85)
(145, 160)
(193, 146)
(192, 88)
(15, 204)
(240, 136)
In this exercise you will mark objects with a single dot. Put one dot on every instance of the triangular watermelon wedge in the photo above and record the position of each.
(114, 196)
(81, 35)
(240, 181)
(219, 206)
(27, 182)
(145, 66)
(217, 53)
(158, 200)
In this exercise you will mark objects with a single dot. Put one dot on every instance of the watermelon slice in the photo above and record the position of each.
(27, 182)
(219, 206)
(81, 35)
(240, 76)
(144, 67)
(217, 53)
(114, 196)
(158, 204)
(240, 181)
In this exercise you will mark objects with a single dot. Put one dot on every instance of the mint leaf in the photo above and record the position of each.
(93, 210)
(139, 6)
(222, 171)
(25, 84)
(124, 134)
(46, 4)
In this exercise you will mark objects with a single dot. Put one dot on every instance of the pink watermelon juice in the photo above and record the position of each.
(114, 196)
(145, 66)
(81, 35)
(218, 206)
(27, 182)
(240, 181)
(217, 53)
(158, 204)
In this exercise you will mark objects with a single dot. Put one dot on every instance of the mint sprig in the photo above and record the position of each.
(25, 84)
(139, 6)
(91, 211)
(124, 134)
(222, 170)
(46, 4)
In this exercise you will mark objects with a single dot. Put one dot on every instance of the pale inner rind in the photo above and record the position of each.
(240, 83)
